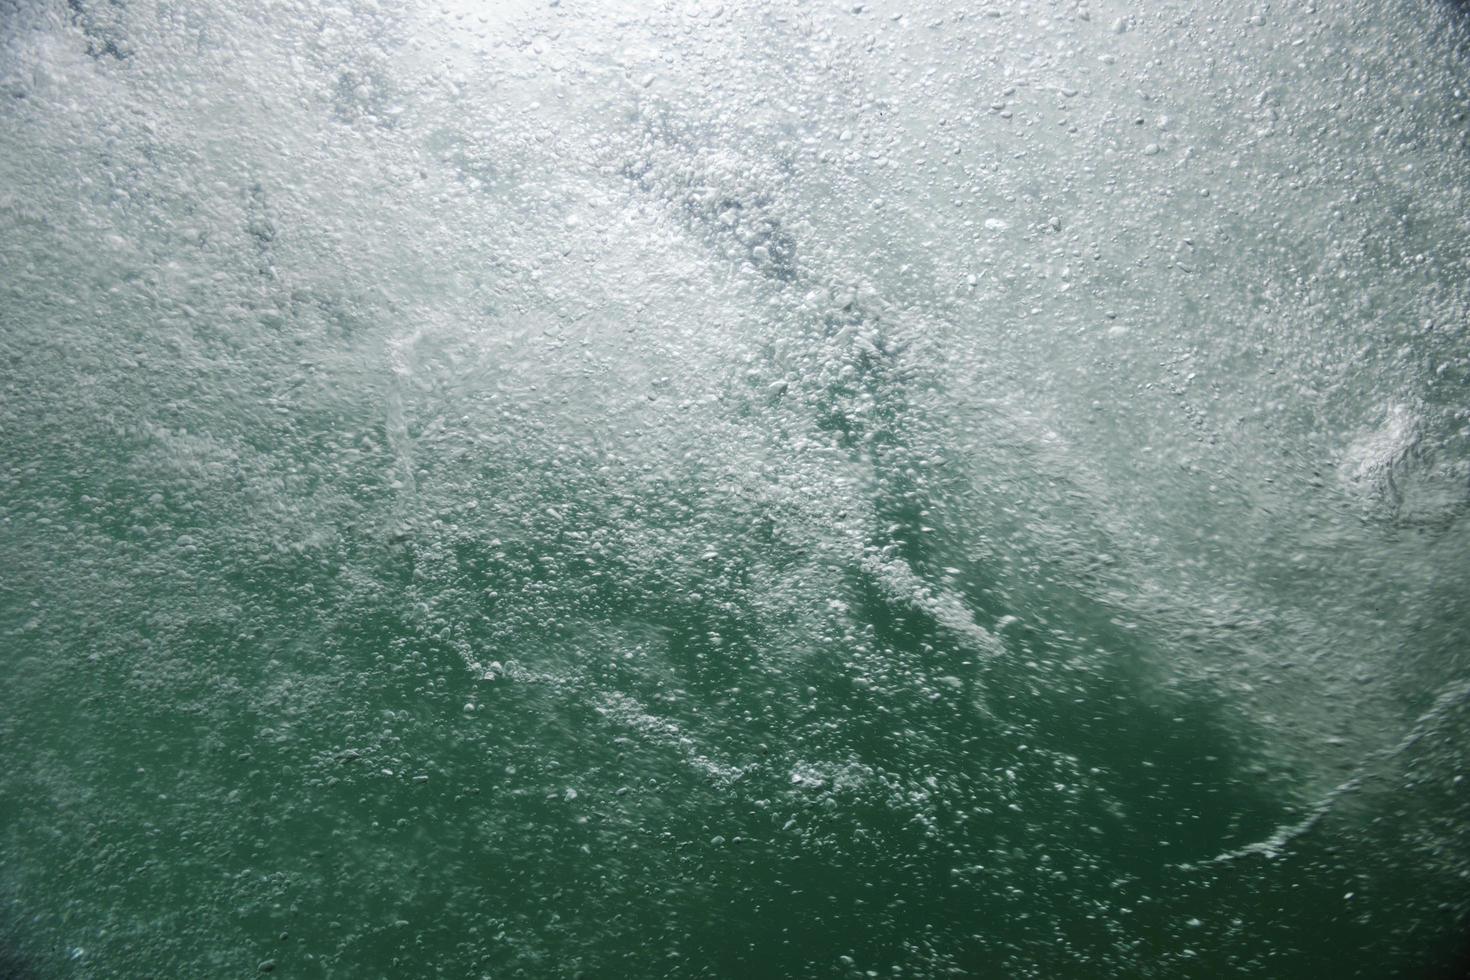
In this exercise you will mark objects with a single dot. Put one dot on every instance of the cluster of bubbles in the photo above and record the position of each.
(710, 489)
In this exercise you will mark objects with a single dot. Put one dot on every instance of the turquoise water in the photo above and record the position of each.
(784, 490)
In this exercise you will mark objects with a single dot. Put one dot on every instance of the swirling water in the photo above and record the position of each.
(702, 490)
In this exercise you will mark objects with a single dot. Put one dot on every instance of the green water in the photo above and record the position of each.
(778, 490)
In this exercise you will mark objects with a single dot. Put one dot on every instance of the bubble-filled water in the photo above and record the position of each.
(696, 489)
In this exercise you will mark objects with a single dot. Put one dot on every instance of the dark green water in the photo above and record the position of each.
(734, 491)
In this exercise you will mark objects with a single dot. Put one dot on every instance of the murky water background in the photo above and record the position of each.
(722, 490)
